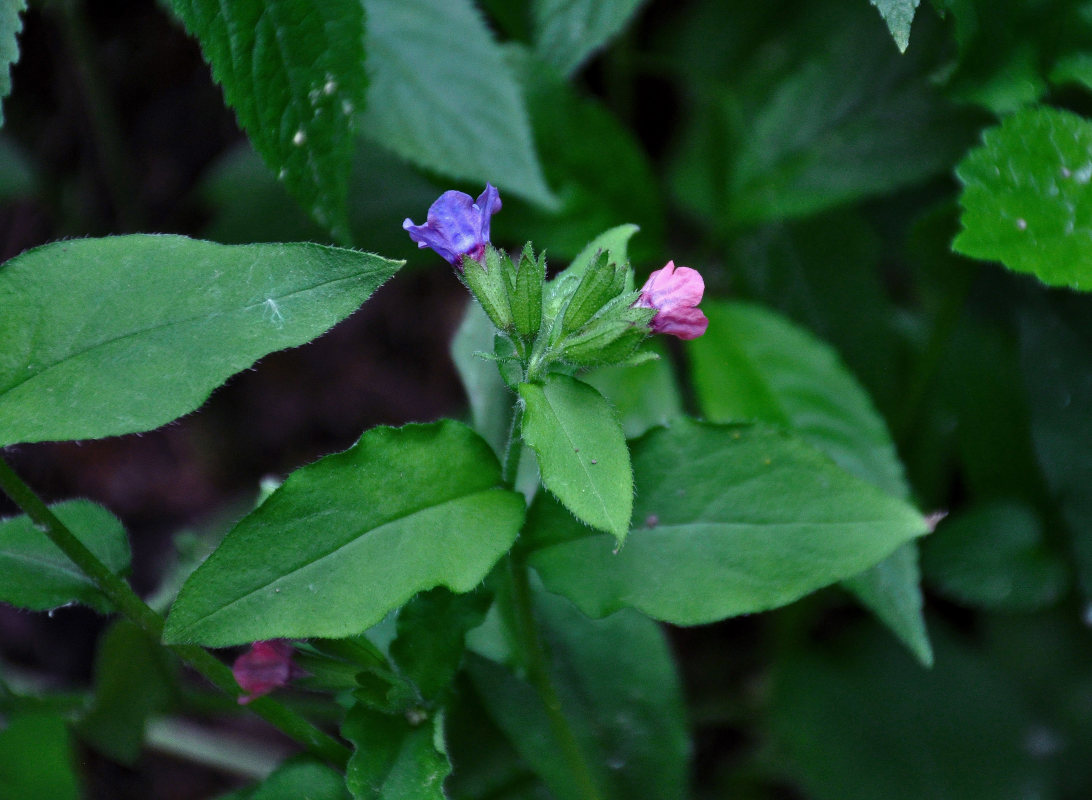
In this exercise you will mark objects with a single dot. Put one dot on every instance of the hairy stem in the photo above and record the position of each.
(531, 647)
(126, 601)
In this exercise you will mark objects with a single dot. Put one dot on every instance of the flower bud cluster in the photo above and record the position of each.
(579, 319)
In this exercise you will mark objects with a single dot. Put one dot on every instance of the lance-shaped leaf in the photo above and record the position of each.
(729, 519)
(100, 337)
(753, 364)
(353, 536)
(899, 15)
(567, 33)
(582, 454)
(294, 73)
(36, 575)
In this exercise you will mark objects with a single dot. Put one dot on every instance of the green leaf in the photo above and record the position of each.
(838, 117)
(36, 575)
(431, 633)
(892, 591)
(898, 14)
(294, 73)
(994, 557)
(490, 400)
(614, 242)
(132, 682)
(753, 364)
(299, 778)
(729, 519)
(36, 759)
(621, 694)
(1055, 342)
(395, 758)
(643, 395)
(11, 25)
(443, 97)
(568, 32)
(353, 536)
(101, 337)
(581, 451)
(863, 722)
(1026, 197)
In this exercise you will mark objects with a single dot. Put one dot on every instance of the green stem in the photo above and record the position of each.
(535, 661)
(532, 649)
(126, 601)
(105, 127)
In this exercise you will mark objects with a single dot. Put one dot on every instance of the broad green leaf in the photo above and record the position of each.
(101, 337)
(443, 97)
(490, 400)
(36, 575)
(994, 557)
(353, 536)
(581, 451)
(296, 779)
(1055, 342)
(643, 395)
(752, 364)
(568, 32)
(11, 25)
(1026, 197)
(838, 118)
(36, 759)
(899, 15)
(620, 693)
(614, 242)
(863, 722)
(595, 164)
(395, 758)
(132, 682)
(294, 73)
(728, 519)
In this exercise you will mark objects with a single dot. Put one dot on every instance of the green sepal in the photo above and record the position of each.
(508, 361)
(527, 295)
(602, 282)
(489, 283)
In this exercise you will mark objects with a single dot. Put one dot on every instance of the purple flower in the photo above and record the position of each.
(264, 667)
(675, 293)
(457, 226)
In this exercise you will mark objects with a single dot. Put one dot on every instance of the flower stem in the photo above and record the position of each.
(530, 644)
(126, 601)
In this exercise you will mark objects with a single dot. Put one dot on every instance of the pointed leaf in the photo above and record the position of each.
(294, 73)
(353, 536)
(581, 451)
(898, 14)
(1027, 197)
(443, 97)
(729, 519)
(36, 575)
(567, 33)
(101, 337)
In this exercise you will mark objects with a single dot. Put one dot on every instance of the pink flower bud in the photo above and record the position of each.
(675, 294)
(264, 667)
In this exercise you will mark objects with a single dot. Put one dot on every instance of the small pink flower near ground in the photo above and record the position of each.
(264, 667)
(675, 294)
